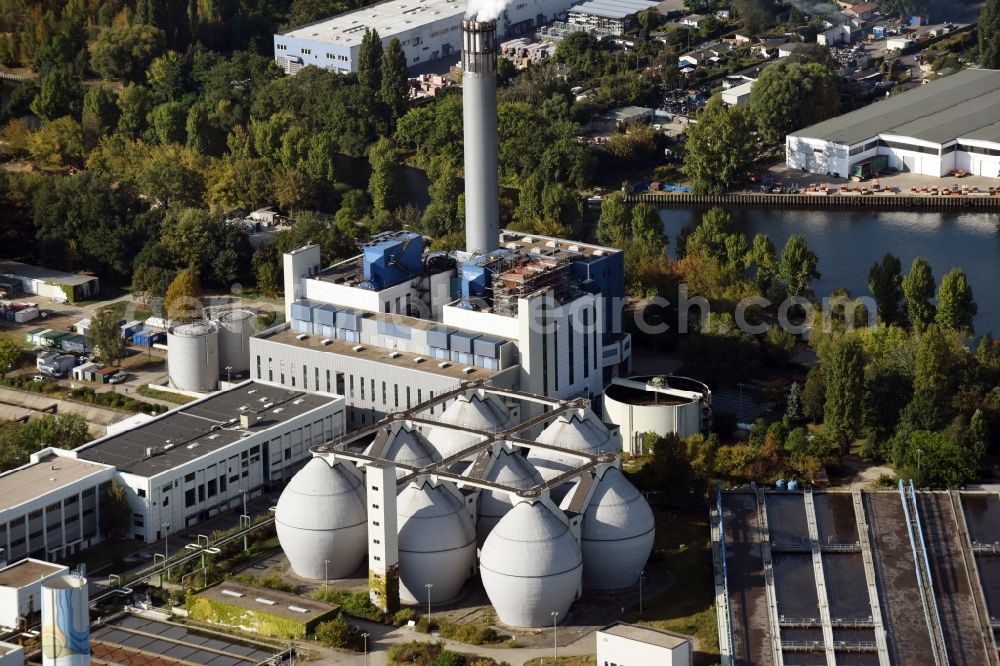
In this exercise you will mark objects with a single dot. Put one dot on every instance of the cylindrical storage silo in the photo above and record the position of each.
(321, 521)
(531, 566)
(510, 469)
(617, 534)
(65, 622)
(437, 544)
(193, 356)
(236, 327)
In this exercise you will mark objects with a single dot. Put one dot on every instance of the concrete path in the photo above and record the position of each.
(98, 417)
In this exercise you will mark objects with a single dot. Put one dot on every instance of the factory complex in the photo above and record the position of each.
(946, 125)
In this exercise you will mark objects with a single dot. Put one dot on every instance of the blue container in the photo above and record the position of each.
(793, 485)
(780, 485)
(392, 259)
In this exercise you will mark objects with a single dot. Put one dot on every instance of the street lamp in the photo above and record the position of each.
(555, 635)
(326, 577)
(245, 519)
(166, 551)
(229, 374)
(365, 637)
(429, 586)
(642, 573)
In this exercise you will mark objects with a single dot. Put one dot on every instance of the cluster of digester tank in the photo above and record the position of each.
(536, 551)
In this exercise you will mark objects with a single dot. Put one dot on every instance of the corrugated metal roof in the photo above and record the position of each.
(615, 9)
(958, 106)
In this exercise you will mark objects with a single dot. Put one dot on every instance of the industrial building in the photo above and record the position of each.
(533, 483)
(614, 17)
(658, 405)
(21, 589)
(857, 577)
(49, 507)
(624, 644)
(199, 459)
(17, 279)
(950, 123)
(427, 30)
(398, 325)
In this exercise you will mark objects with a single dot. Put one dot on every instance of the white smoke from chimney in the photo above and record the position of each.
(484, 10)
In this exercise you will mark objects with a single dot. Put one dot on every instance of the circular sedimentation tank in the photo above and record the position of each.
(531, 566)
(193, 356)
(617, 533)
(320, 518)
(236, 327)
(437, 543)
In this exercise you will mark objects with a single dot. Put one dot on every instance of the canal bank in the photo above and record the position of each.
(849, 241)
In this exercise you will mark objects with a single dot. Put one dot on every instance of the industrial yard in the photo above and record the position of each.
(864, 577)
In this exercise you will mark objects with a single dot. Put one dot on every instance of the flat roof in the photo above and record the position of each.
(38, 479)
(199, 428)
(389, 18)
(28, 571)
(547, 244)
(29, 271)
(964, 105)
(615, 9)
(267, 600)
(369, 352)
(660, 637)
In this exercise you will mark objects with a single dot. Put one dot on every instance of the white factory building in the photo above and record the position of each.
(614, 17)
(398, 326)
(50, 507)
(624, 644)
(427, 30)
(950, 123)
(541, 499)
(196, 461)
(665, 405)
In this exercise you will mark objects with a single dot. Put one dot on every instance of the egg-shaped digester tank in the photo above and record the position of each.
(437, 543)
(531, 566)
(321, 521)
(617, 534)
(510, 469)
(193, 356)
(571, 433)
(470, 412)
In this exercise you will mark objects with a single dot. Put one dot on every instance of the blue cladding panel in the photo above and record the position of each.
(325, 315)
(393, 260)
(348, 320)
(487, 346)
(475, 280)
(462, 342)
(302, 310)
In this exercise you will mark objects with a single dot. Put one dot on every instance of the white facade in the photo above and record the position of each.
(738, 95)
(427, 30)
(631, 645)
(21, 587)
(11, 654)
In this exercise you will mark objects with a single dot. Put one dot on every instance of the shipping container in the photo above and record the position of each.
(147, 337)
(85, 372)
(82, 326)
(103, 375)
(29, 337)
(131, 328)
(76, 344)
(26, 315)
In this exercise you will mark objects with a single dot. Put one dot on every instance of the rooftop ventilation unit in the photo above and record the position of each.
(298, 609)
(298, 401)
(268, 602)
(192, 445)
(268, 405)
(444, 364)
(419, 359)
(278, 410)
(326, 341)
(232, 593)
(358, 348)
(468, 371)
(301, 336)
(394, 354)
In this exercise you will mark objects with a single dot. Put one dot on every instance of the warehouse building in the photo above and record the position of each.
(17, 279)
(427, 30)
(49, 507)
(196, 461)
(624, 644)
(951, 123)
(21, 589)
(614, 17)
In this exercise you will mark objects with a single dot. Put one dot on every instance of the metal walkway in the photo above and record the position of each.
(817, 560)
(772, 601)
(873, 598)
(723, 611)
(925, 582)
(972, 571)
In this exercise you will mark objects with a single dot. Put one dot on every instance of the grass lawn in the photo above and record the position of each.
(164, 395)
(688, 606)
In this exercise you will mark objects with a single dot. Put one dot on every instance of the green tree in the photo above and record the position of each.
(105, 336)
(940, 355)
(955, 305)
(791, 95)
(116, 514)
(395, 82)
(794, 408)
(169, 121)
(199, 128)
(100, 114)
(124, 52)
(383, 182)
(267, 279)
(167, 76)
(757, 15)
(918, 289)
(334, 633)
(798, 266)
(320, 160)
(765, 263)
(182, 301)
(59, 94)
(844, 392)
(10, 354)
(613, 225)
(710, 239)
(150, 282)
(814, 395)
(134, 104)
(989, 35)
(19, 441)
(370, 62)
(719, 148)
(934, 459)
(57, 143)
(647, 238)
(442, 216)
(885, 282)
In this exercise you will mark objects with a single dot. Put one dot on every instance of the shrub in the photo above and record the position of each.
(335, 633)
(449, 658)
(403, 616)
(473, 634)
(418, 653)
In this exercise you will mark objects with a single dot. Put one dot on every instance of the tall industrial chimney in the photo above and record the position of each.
(479, 107)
